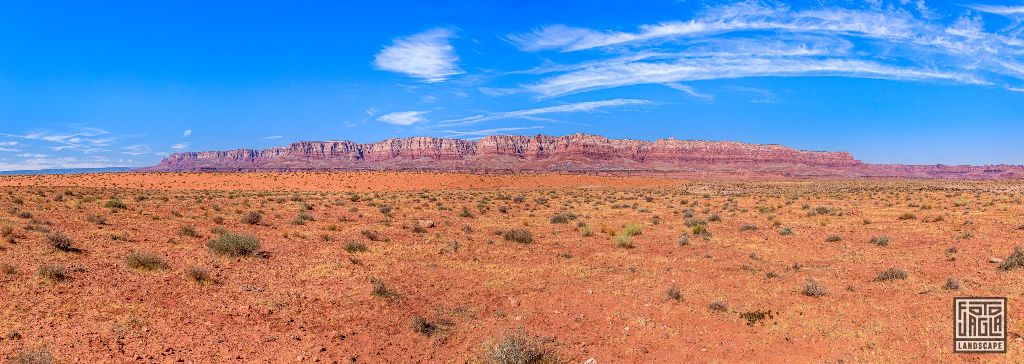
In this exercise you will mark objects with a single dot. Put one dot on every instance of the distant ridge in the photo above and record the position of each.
(68, 170)
(575, 153)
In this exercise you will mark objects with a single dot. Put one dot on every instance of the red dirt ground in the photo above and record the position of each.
(574, 290)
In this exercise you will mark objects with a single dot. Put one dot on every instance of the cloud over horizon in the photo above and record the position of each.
(769, 39)
(428, 56)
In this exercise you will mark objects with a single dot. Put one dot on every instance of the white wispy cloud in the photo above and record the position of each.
(272, 137)
(403, 117)
(179, 146)
(40, 161)
(636, 73)
(428, 56)
(1008, 10)
(186, 133)
(900, 41)
(476, 134)
(83, 139)
(533, 114)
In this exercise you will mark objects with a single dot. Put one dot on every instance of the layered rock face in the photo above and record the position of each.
(570, 153)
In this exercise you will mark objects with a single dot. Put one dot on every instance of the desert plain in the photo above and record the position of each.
(373, 267)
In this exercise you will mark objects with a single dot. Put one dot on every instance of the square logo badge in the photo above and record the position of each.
(979, 324)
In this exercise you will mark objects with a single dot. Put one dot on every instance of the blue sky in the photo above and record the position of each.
(126, 83)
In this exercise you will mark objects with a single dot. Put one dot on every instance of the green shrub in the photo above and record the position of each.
(355, 247)
(144, 261)
(748, 227)
(115, 204)
(624, 241)
(521, 236)
(53, 272)
(188, 231)
(234, 245)
(891, 274)
(632, 229)
(563, 218)
(880, 240)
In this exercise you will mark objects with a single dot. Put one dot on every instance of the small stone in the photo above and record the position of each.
(590, 361)
(995, 260)
(425, 223)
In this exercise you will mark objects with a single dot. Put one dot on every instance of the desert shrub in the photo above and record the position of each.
(53, 272)
(382, 290)
(674, 294)
(891, 274)
(587, 231)
(199, 275)
(632, 229)
(371, 235)
(701, 231)
(503, 209)
(718, 305)
(812, 288)
(833, 238)
(624, 241)
(880, 240)
(6, 230)
(234, 245)
(302, 218)
(355, 247)
(748, 227)
(423, 326)
(218, 220)
(952, 284)
(519, 348)
(59, 241)
(465, 212)
(96, 219)
(32, 356)
(144, 261)
(714, 218)
(8, 269)
(563, 218)
(907, 216)
(253, 218)
(754, 317)
(521, 236)
(115, 204)
(188, 231)
(786, 231)
(1014, 261)
(683, 240)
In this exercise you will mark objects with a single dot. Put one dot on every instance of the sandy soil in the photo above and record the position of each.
(581, 289)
